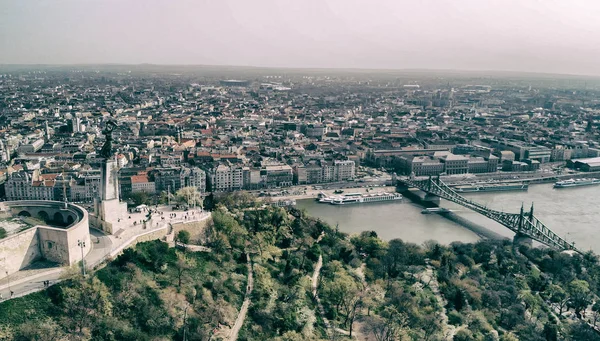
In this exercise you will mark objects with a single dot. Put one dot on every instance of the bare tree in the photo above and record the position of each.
(388, 326)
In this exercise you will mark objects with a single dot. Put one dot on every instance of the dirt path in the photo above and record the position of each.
(315, 284)
(357, 326)
(239, 322)
(428, 278)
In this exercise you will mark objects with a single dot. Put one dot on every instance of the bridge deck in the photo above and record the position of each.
(520, 223)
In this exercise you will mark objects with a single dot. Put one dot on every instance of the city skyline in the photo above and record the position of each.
(523, 36)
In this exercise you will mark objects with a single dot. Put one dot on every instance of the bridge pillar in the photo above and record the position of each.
(401, 187)
(521, 239)
(434, 199)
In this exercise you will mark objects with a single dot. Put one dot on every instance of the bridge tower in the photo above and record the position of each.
(520, 237)
(531, 213)
(431, 198)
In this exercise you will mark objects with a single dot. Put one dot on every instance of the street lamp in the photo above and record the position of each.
(81, 244)
(8, 279)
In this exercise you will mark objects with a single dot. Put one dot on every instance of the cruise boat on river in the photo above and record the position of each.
(576, 182)
(493, 187)
(359, 198)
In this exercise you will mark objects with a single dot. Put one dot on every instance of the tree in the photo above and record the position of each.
(85, 302)
(224, 223)
(463, 335)
(530, 300)
(163, 198)
(47, 330)
(189, 196)
(342, 293)
(551, 331)
(368, 243)
(579, 296)
(558, 296)
(2, 233)
(581, 331)
(596, 311)
(155, 254)
(352, 309)
(182, 266)
(183, 237)
(140, 198)
(430, 325)
(373, 297)
(387, 326)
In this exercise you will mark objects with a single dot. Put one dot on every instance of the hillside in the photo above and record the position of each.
(365, 288)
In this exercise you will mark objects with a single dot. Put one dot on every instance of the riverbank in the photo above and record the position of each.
(311, 193)
(526, 177)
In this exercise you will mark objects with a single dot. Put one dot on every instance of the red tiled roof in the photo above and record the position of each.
(138, 179)
(49, 176)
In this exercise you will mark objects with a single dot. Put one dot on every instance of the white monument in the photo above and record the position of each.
(109, 210)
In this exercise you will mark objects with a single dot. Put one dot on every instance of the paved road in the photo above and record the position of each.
(101, 245)
(31, 284)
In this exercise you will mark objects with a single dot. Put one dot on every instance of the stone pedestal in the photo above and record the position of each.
(109, 181)
(521, 239)
(109, 210)
(434, 199)
(110, 213)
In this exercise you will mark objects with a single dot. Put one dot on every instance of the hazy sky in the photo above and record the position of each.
(561, 36)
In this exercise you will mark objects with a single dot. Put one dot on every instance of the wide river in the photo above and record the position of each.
(573, 213)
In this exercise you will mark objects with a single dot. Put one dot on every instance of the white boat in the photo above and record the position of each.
(358, 198)
(576, 183)
(491, 187)
(435, 210)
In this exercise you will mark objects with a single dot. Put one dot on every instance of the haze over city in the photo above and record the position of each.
(308, 170)
(513, 35)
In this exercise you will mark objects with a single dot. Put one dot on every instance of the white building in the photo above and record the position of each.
(226, 178)
(140, 183)
(343, 170)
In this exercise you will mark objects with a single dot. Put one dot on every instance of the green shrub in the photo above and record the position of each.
(183, 236)
(455, 318)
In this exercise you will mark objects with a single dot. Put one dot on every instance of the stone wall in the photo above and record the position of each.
(18, 251)
(158, 234)
(195, 228)
(56, 244)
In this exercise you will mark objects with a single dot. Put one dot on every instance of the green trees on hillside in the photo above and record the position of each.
(383, 290)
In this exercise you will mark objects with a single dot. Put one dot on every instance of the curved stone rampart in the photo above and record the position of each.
(56, 239)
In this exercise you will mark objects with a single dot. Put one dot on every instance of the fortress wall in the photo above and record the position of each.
(196, 228)
(80, 231)
(18, 251)
(55, 244)
(158, 234)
